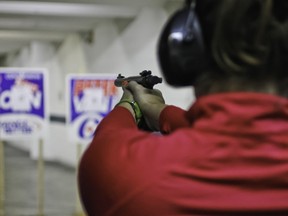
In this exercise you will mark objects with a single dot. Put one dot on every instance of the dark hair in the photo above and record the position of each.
(248, 39)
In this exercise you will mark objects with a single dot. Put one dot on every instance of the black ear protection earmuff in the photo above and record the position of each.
(181, 48)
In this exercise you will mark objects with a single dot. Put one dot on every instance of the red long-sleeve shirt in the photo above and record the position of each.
(226, 155)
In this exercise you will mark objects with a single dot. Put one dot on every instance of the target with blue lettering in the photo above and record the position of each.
(23, 104)
(90, 97)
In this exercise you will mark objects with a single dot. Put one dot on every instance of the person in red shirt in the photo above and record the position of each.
(227, 154)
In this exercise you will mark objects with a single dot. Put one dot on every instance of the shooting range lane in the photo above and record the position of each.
(21, 186)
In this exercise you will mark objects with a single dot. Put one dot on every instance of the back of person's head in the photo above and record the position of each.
(243, 43)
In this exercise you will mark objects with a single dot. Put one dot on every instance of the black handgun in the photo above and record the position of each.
(145, 79)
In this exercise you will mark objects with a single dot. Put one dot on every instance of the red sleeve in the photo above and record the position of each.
(119, 117)
(172, 118)
(102, 166)
(109, 169)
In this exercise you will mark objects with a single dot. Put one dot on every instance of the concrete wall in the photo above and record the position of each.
(115, 48)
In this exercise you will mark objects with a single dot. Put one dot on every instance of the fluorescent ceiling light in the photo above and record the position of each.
(52, 23)
(32, 35)
(67, 9)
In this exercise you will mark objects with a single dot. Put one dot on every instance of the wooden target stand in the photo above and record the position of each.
(78, 207)
(2, 179)
(40, 179)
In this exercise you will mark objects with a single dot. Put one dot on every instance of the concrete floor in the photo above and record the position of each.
(60, 197)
